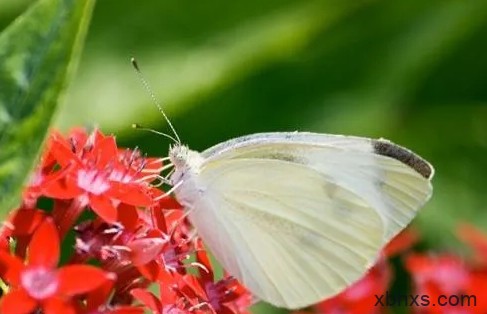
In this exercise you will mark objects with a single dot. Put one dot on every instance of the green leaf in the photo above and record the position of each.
(39, 52)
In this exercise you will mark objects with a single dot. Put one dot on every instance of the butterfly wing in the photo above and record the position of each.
(297, 217)
(394, 180)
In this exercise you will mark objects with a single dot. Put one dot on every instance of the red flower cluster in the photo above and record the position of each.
(452, 284)
(137, 237)
(441, 283)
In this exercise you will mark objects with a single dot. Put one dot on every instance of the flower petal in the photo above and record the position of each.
(78, 279)
(104, 151)
(148, 299)
(128, 216)
(44, 246)
(103, 207)
(17, 302)
(476, 239)
(65, 214)
(402, 242)
(96, 136)
(99, 296)
(151, 270)
(206, 272)
(77, 137)
(60, 150)
(26, 220)
(144, 250)
(130, 193)
(169, 202)
(10, 268)
(166, 202)
(225, 310)
(64, 188)
(158, 219)
(58, 306)
(126, 310)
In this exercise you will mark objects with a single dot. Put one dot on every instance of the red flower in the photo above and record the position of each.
(91, 171)
(449, 281)
(434, 276)
(476, 240)
(98, 302)
(138, 238)
(133, 248)
(461, 285)
(168, 302)
(38, 284)
(96, 176)
(218, 297)
(446, 273)
(21, 224)
(38, 179)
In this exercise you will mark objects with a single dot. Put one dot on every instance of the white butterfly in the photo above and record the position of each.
(297, 217)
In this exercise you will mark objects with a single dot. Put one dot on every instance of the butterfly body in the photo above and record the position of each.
(297, 217)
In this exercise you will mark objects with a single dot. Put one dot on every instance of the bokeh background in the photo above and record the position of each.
(414, 72)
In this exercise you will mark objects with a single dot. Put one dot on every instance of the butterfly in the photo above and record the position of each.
(297, 217)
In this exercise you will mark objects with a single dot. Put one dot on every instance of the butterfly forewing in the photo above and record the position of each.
(393, 188)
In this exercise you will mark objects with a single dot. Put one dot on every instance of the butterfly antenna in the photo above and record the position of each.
(156, 102)
(140, 127)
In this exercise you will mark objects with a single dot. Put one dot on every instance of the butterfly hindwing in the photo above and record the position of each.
(289, 235)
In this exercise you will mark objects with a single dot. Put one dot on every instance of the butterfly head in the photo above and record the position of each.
(186, 162)
(178, 155)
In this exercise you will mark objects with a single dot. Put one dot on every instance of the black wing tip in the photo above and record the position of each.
(386, 148)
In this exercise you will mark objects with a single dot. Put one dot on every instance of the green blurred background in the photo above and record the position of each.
(414, 72)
